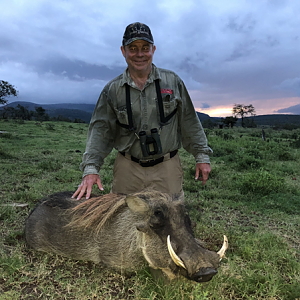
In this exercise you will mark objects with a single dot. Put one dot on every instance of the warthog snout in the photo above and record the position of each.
(204, 274)
(193, 254)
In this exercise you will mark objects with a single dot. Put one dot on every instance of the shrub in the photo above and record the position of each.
(278, 151)
(285, 155)
(50, 126)
(261, 182)
(6, 135)
(222, 148)
(295, 144)
(248, 162)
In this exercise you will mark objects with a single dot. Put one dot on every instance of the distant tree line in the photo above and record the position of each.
(22, 113)
(242, 111)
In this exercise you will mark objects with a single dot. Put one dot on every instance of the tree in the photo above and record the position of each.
(8, 112)
(6, 90)
(229, 121)
(208, 123)
(243, 110)
(23, 113)
(40, 114)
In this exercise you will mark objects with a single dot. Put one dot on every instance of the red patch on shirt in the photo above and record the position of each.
(166, 91)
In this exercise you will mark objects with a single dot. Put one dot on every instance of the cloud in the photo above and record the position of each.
(290, 84)
(205, 105)
(76, 69)
(226, 52)
(295, 109)
(50, 87)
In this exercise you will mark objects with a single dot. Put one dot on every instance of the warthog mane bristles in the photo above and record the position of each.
(95, 212)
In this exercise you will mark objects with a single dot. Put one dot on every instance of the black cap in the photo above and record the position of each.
(137, 31)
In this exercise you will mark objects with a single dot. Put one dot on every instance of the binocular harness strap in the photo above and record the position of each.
(130, 125)
(163, 119)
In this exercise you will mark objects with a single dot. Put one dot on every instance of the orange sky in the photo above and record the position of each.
(262, 107)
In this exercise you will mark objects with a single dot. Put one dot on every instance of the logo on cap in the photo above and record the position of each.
(137, 31)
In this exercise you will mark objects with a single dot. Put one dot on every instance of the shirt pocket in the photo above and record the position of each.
(169, 104)
(122, 115)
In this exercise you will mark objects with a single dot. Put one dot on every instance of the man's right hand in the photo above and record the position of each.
(86, 186)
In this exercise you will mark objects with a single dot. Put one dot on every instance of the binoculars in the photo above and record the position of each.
(150, 144)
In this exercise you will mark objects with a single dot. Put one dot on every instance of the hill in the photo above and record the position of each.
(67, 110)
(84, 112)
(278, 119)
(71, 110)
(57, 106)
(203, 116)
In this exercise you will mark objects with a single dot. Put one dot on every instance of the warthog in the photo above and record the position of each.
(124, 233)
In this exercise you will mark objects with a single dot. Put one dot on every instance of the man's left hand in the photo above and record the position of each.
(202, 172)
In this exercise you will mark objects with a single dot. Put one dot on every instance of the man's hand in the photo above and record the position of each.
(86, 186)
(203, 171)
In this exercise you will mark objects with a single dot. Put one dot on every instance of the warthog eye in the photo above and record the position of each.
(159, 214)
(157, 219)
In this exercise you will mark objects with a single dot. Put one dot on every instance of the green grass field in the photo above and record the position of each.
(252, 196)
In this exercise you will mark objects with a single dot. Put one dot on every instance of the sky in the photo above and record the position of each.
(226, 52)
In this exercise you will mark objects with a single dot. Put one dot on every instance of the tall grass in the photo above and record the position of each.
(252, 196)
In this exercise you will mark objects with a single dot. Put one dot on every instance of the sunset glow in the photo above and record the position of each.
(217, 112)
(262, 107)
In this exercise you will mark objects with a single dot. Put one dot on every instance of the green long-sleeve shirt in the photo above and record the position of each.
(104, 134)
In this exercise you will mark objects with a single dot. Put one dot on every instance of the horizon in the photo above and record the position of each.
(210, 115)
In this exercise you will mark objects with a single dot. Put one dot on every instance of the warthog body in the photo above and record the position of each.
(123, 232)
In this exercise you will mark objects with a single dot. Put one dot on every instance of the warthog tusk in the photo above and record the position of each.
(224, 248)
(173, 255)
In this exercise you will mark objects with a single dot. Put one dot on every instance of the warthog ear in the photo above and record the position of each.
(136, 204)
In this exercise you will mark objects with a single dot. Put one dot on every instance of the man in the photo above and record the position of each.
(146, 114)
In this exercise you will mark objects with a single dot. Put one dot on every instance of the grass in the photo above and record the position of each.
(252, 196)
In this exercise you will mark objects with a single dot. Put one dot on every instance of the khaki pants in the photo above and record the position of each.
(129, 177)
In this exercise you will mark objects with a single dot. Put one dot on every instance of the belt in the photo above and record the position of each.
(150, 162)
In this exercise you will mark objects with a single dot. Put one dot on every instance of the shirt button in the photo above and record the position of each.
(145, 127)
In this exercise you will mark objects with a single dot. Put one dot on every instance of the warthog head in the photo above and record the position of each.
(124, 232)
(168, 242)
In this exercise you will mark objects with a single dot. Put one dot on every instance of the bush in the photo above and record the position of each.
(6, 135)
(261, 182)
(248, 162)
(295, 144)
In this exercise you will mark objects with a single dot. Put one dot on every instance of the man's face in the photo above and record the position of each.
(139, 56)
